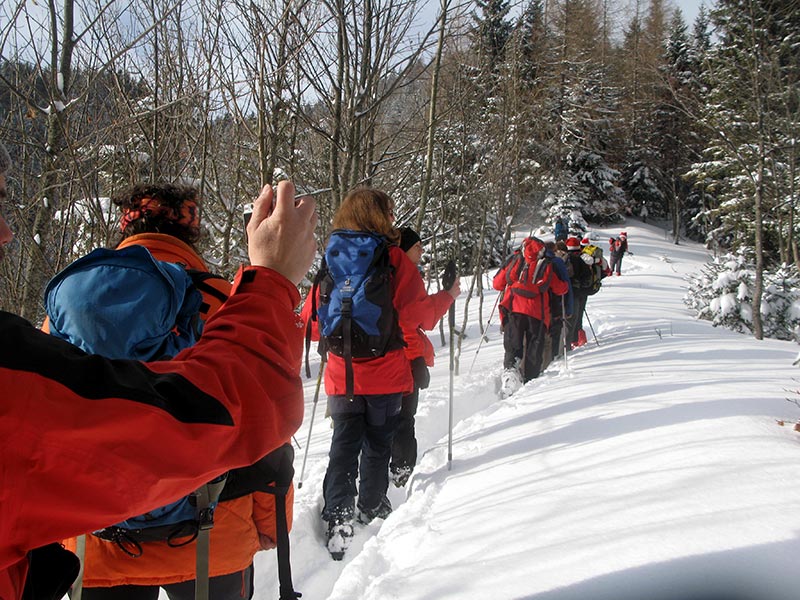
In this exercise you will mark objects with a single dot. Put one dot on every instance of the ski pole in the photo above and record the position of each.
(564, 330)
(588, 320)
(483, 337)
(448, 280)
(311, 424)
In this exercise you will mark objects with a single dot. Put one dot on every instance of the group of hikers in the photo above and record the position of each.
(113, 422)
(544, 289)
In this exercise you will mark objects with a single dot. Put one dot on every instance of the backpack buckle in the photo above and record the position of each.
(205, 519)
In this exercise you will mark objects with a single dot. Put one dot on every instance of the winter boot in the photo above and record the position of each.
(383, 510)
(400, 475)
(510, 382)
(581, 338)
(339, 536)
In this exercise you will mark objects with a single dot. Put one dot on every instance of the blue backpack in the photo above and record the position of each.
(125, 304)
(356, 315)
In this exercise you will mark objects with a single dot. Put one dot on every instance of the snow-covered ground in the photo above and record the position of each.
(650, 467)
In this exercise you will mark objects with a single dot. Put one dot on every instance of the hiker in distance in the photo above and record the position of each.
(85, 440)
(526, 281)
(419, 352)
(367, 372)
(560, 230)
(164, 219)
(617, 248)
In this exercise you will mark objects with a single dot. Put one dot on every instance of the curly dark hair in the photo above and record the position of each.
(169, 196)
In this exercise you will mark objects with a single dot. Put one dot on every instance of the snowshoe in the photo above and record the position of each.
(340, 534)
(400, 475)
(510, 382)
(383, 510)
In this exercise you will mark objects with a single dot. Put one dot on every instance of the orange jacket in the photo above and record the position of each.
(391, 373)
(87, 441)
(237, 523)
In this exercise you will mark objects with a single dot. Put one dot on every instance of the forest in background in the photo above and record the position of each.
(487, 118)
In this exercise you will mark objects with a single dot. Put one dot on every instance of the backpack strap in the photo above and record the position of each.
(272, 474)
(203, 282)
(279, 490)
(207, 497)
(347, 332)
(80, 551)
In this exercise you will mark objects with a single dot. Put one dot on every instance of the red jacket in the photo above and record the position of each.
(391, 373)
(86, 441)
(237, 523)
(523, 294)
(416, 339)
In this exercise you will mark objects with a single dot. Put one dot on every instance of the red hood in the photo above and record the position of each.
(532, 249)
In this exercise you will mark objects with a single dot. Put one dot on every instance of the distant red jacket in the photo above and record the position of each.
(391, 373)
(524, 295)
(86, 441)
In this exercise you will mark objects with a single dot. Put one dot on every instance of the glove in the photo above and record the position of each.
(422, 377)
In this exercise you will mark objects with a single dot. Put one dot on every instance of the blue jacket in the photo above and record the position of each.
(560, 267)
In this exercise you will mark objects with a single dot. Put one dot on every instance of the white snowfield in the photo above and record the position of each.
(651, 467)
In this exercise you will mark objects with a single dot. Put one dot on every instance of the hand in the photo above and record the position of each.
(280, 234)
(455, 289)
(266, 542)
(422, 376)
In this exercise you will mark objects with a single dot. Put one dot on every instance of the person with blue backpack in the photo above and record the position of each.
(366, 293)
(85, 440)
(119, 563)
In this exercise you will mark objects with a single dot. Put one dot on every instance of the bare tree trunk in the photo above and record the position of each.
(437, 64)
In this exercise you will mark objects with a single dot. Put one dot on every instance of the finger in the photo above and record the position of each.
(285, 197)
(261, 207)
(307, 207)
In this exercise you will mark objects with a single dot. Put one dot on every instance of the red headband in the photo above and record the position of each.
(186, 214)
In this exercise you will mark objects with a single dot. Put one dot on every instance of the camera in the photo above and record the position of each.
(247, 213)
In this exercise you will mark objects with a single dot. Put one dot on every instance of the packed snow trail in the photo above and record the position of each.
(652, 467)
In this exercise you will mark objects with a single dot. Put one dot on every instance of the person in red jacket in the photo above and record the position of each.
(164, 218)
(363, 426)
(419, 352)
(525, 281)
(85, 441)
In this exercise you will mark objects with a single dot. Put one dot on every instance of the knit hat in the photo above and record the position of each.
(586, 241)
(623, 234)
(408, 237)
(573, 244)
(5, 159)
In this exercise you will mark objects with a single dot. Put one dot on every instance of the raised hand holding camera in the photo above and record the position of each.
(280, 232)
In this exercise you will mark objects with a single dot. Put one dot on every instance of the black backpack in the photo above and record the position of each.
(354, 308)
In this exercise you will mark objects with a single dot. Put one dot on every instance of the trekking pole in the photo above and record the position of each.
(564, 329)
(588, 320)
(448, 280)
(483, 337)
(311, 424)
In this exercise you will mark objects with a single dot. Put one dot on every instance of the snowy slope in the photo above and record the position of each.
(651, 467)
